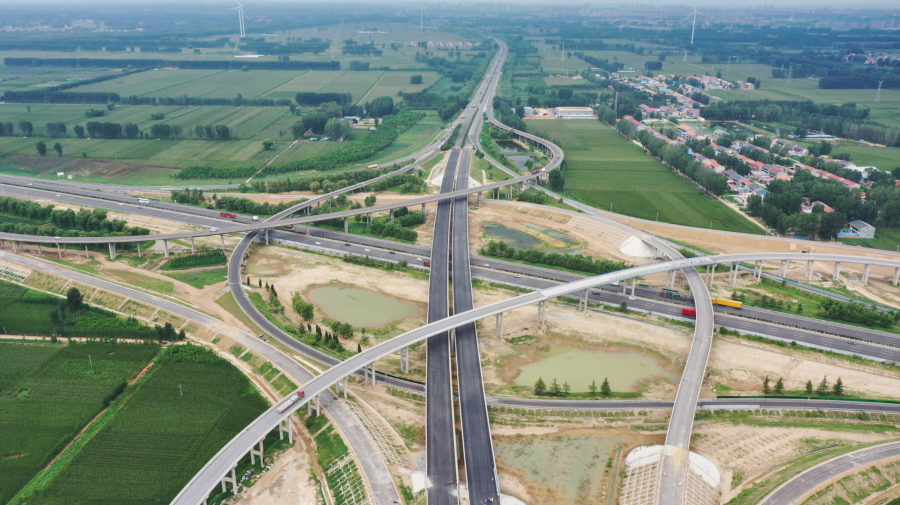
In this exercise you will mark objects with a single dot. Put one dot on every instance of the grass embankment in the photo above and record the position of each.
(603, 169)
(201, 278)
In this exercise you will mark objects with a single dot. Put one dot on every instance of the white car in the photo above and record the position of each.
(518, 276)
(213, 229)
(58, 194)
(56, 238)
(485, 265)
(366, 250)
(418, 259)
(121, 204)
(318, 243)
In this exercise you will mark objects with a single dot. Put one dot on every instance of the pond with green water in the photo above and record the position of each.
(361, 307)
(577, 367)
(519, 240)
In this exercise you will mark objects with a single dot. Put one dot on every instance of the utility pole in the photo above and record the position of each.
(616, 106)
(90, 359)
(180, 391)
(790, 71)
(878, 93)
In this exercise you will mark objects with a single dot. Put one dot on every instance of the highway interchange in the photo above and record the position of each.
(533, 278)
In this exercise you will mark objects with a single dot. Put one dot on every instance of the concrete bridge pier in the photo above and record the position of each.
(373, 374)
(499, 318)
(783, 271)
(267, 236)
(139, 249)
(1, 244)
(193, 249)
(392, 219)
(423, 208)
(347, 224)
(732, 273)
(59, 250)
(87, 253)
(166, 247)
(865, 278)
(341, 385)
(670, 279)
(285, 427)
(257, 452)
(223, 242)
(633, 285)
(112, 251)
(481, 198)
(896, 276)
(709, 275)
(404, 360)
(232, 480)
(40, 252)
(837, 270)
(757, 271)
(584, 300)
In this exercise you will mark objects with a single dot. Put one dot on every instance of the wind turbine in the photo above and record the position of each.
(240, 9)
(693, 23)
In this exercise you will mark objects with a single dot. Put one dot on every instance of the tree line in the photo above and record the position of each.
(500, 249)
(66, 223)
(183, 64)
(248, 206)
(677, 158)
(370, 145)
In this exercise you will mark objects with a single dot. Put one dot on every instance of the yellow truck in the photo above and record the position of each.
(727, 303)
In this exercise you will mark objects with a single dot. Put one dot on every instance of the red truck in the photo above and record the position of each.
(225, 214)
(689, 311)
(427, 264)
(290, 401)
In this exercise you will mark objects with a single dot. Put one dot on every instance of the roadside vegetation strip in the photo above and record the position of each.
(204, 259)
(190, 404)
(78, 381)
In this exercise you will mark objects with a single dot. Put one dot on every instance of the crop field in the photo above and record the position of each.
(885, 158)
(420, 134)
(392, 82)
(54, 395)
(604, 169)
(162, 434)
(201, 278)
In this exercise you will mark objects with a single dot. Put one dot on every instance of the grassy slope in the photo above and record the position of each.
(603, 168)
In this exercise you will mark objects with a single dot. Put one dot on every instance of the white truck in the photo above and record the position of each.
(294, 398)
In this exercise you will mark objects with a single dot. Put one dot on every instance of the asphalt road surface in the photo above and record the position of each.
(798, 487)
(440, 432)
(478, 451)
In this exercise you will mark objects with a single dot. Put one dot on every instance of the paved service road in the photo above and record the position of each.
(794, 490)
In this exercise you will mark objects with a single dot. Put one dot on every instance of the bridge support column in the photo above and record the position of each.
(87, 253)
(481, 198)
(896, 275)
(259, 452)
(757, 271)
(670, 279)
(341, 385)
(423, 208)
(59, 250)
(709, 276)
(499, 318)
(232, 480)
(404, 360)
(837, 270)
(193, 249)
(865, 278)
(392, 217)
(584, 300)
(222, 237)
(112, 251)
(139, 249)
(732, 274)
(285, 427)
(267, 236)
(40, 252)
(307, 229)
(1, 244)
(373, 373)
(166, 247)
(369, 219)
(347, 224)
(633, 285)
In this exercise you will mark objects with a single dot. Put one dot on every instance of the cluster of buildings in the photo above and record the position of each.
(679, 105)
(447, 45)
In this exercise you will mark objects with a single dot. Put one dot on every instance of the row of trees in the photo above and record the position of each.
(248, 206)
(408, 184)
(370, 145)
(143, 63)
(837, 389)
(500, 249)
(555, 389)
(856, 313)
(677, 158)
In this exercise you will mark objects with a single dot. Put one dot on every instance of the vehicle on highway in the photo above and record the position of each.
(391, 252)
(518, 276)
(689, 311)
(294, 398)
(121, 204)
(347, 244)
(366, 250)
(58, 194)
(318, 243)
(485, 265)
(851, 342)
(727, 303)
(370, 167)
(226, 214)
(671, 293)
(418, 259)
(143, 200)
(255, 218)
(56, 238)
(427, 264)
(213, 229)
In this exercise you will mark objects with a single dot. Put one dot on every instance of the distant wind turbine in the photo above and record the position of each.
(240, 9)
(693, 23)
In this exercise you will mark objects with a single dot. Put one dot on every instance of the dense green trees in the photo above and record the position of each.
(856, 313)
(578, 262)
(55, 129)
(676, 157)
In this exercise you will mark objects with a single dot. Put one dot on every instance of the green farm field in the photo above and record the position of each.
(603, 168)
(49, 393)
(166, 427)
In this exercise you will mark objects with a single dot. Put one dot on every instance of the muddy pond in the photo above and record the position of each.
(520, 240)
(570, 467)
(361, 307)
(578, 367)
